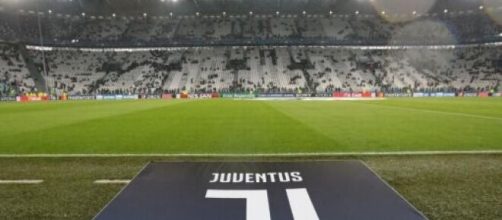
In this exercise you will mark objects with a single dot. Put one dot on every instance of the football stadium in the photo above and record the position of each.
(250, 109)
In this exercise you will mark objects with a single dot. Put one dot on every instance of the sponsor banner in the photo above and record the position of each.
(354, 94)
(442, 94)
(150, 97)
(8, 99)
(106, 97)
(130, 97)
(245, 96)
(398, 94)
(31, 98)
(342, 94)
(167, 96)
(227, 95)
(258, 191)
(497, 94)
(366, 94)
(360, 95)
(117, 97)
(36, 98)
(305, 95)
(470, 94)
(200, 96)
(419, 94)
(81, 97)
(238, 95)
(182, 96)
(288, 95)
(323, 95)
(277, 95)
(483, 94)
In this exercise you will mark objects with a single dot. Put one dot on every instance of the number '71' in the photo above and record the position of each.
(257, 207)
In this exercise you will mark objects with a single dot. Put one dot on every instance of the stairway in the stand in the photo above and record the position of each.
(34, 72)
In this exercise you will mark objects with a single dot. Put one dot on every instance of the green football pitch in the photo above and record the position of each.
(250, 127)
(70, 145)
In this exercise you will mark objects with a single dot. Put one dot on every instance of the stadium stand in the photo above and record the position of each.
(271, 69)
(14, 75)
(268, 53)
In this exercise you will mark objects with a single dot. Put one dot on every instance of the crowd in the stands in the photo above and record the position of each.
(108, 31)
(14, 75)
(262, 69)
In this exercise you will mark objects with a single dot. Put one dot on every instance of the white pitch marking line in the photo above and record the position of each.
(112, 181)
(362, 153)
(21, 182)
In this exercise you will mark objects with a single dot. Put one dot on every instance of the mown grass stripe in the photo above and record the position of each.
(467, 115)
(23, 182)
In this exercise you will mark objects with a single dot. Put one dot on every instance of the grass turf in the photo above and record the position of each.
(443, 187)
(242, 127)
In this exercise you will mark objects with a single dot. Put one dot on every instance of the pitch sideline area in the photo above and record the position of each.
(442, 186)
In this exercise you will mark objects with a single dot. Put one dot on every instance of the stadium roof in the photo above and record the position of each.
(211, 7)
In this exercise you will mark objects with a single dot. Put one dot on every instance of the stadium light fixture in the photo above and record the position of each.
(197, 13)
(277, 12)
(174, 1)
(83, 14)
(481, 7)
(145, 14)
(383, 12)
(170, 14)
(114, 15)
(50, 11)
(250, 13)
(224, 13)
(330, 12)
(445, 11)
(304, 12)
(357, 12)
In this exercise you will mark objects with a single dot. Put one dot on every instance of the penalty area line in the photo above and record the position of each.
(306, 154)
